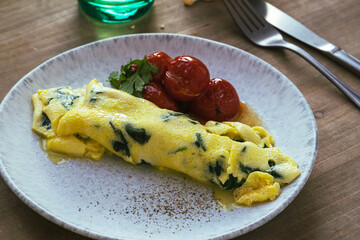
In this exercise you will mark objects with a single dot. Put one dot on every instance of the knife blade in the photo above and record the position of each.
(297, 30)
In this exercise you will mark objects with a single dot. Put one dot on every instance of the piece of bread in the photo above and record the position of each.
(189, 2)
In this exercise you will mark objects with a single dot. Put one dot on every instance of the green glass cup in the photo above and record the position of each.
(114, 11)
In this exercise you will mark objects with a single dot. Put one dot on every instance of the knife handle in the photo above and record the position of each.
(346, 59)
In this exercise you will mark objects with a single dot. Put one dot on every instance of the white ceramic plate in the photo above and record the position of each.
(112, 199)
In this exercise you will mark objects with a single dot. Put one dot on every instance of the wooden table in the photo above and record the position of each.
(329, 205)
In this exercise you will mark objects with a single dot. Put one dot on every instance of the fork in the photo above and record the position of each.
(263, 34)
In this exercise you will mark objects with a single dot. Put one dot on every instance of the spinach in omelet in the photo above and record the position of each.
(84, 122)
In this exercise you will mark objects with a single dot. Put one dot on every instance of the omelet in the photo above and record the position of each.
(84, 122)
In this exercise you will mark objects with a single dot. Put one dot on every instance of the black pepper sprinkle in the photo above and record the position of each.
(167, 203)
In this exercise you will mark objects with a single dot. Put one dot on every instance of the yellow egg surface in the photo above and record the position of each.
(83, 122)
(258, 187)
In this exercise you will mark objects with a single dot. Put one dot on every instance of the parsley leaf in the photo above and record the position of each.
(130, 80)
(132, 83)
(114, 79)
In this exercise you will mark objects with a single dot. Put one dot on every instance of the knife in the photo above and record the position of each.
(292, 27)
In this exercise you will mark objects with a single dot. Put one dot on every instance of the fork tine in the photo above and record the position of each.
(245, 15)
(239, 16)
(255, 16)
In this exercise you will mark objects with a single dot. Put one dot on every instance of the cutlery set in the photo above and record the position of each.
(258, 20)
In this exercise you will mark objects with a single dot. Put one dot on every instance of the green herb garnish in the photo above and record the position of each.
(131, 81)
(179, 150)
(138, 134)
(200, 142)
(232, 182)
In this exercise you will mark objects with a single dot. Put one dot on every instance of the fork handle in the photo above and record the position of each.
(345, 59)
(346, 89)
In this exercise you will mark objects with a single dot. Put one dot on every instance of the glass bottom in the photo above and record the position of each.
(115, 11)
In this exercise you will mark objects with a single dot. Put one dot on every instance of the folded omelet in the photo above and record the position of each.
(86, 121)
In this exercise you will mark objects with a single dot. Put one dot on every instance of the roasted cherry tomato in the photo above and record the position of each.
(186, 78)
(161, 60)
(219, 102)
(133, 67)
(155, 93)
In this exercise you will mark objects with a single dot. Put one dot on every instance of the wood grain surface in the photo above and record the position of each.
(329, 205)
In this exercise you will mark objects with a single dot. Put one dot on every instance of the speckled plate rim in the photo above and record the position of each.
(225, 235)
